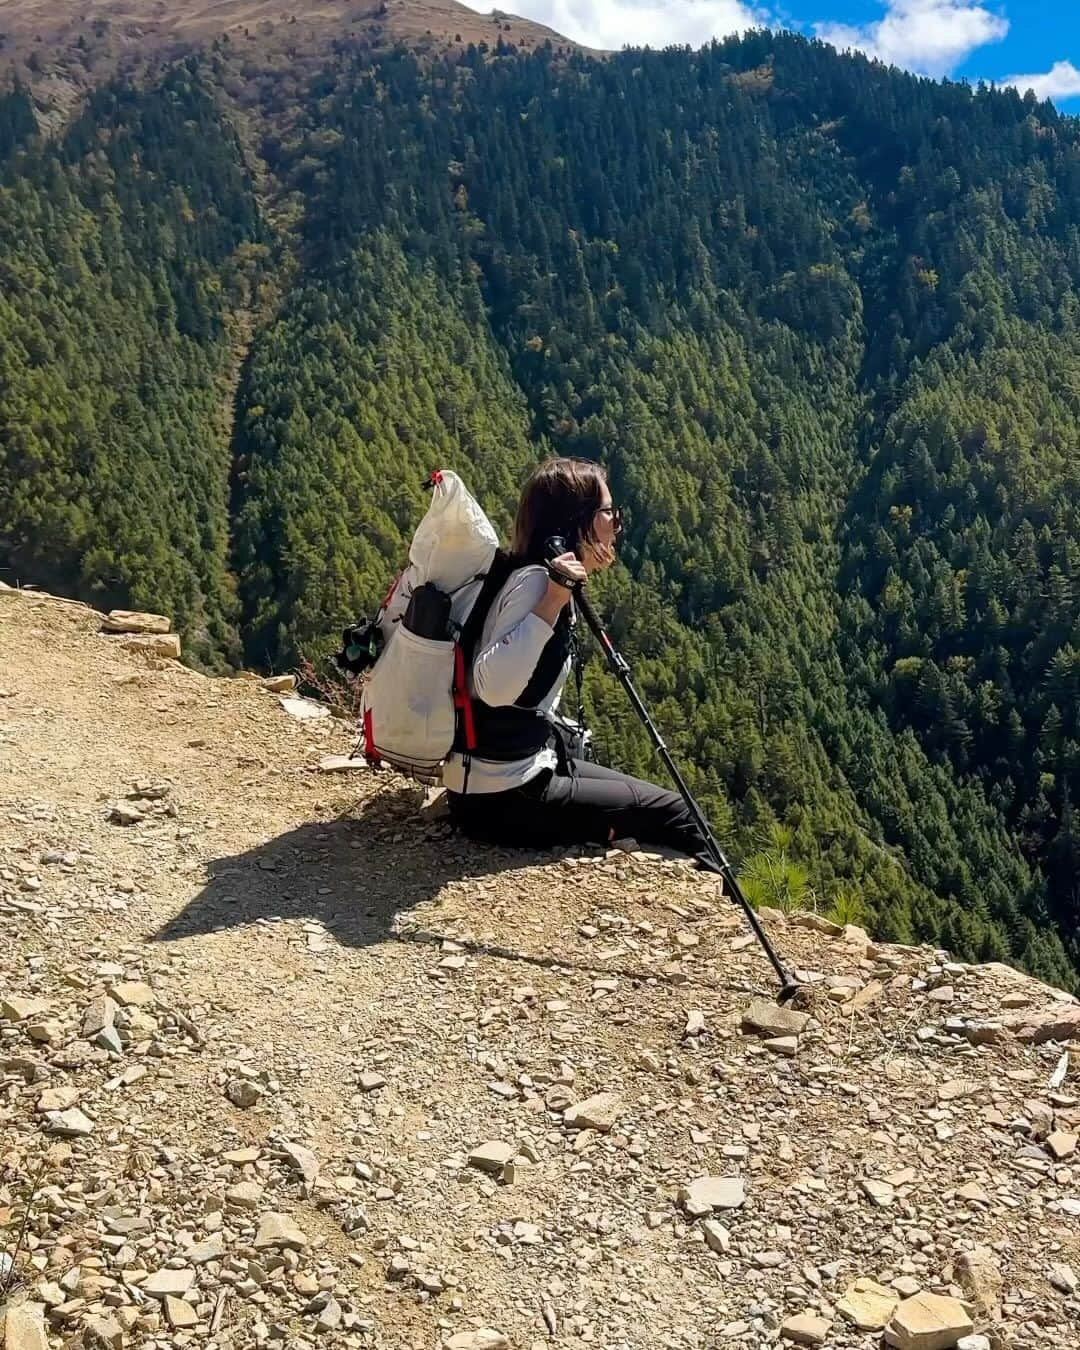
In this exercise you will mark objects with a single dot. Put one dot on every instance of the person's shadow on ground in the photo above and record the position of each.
(358, 875)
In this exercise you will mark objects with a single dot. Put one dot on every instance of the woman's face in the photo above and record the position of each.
(605, 530)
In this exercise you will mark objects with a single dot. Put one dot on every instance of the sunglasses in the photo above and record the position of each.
(614, 514)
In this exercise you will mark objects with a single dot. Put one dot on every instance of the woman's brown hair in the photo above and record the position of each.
(561, 498)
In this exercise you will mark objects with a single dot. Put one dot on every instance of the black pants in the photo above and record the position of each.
(583, 804)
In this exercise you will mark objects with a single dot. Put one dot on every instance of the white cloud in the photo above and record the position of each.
(613, 24)
(1062, 80)
(932, 37)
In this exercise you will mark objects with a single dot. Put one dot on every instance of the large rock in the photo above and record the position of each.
(928, 1322)
(806, 919)
(166, 645)
(769, 1019)
(24, 1327)
(133, 621)
(706, 1194)
(1052, 1024)
(594, 1113)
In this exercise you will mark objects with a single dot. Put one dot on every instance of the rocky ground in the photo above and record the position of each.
(284, 1062)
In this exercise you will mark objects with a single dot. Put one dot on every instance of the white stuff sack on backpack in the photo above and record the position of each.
(408, 710)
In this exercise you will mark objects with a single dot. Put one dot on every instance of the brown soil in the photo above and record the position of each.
(294, 924)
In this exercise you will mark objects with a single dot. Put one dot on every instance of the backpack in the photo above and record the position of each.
(415, 654)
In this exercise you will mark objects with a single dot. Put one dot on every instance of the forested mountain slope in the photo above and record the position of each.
(819, 319)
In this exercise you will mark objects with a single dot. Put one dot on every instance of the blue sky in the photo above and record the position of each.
(1034, 42)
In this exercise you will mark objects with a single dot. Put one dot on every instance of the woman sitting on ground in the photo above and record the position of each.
(518, 787)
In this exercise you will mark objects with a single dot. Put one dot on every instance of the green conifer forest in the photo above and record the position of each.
(820, 320)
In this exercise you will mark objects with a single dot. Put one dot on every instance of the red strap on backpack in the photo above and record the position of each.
(462, 699)
(370, 753)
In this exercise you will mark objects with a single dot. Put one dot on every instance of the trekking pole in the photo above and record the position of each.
(788, 985)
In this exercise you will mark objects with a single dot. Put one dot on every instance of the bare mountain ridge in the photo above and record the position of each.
(60, 49)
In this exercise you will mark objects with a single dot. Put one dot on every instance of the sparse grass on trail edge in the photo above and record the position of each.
(322, 680)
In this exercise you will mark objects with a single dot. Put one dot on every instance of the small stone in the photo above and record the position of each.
(805, 1329)
(769, 1019)
(788, 1046)
(980, 1278)
(24, 1327)
(706, 1194)
(492, 1156)
(213, 1249)
(49, 1032)
(330, 1316)
(302, 1160)
(341, 764)
(880, 1192)
(108, 1038)
(102, 1332)
(973, 1342)
(1061, 1144)
(1064, 1279)
(126, 813)
(240, 1156)
(695, 1023)
(370, 1081)
(72, 1124)
(20, 1009)
(180, 1313)
(868, 1305)
(717, 1237)
(973, 1193)
(594, 1113)
(132, 993)
(168, 1283)
(99, 1014)
(279, 1230)
(928, 1322)
(243, 1092)
(483, 1339)
(57, 1099)
(245, 1195)
(957, 1089)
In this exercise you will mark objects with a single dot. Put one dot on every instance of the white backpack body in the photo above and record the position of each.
(418, 686)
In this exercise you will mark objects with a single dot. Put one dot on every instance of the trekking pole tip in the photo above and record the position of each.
(788, 990)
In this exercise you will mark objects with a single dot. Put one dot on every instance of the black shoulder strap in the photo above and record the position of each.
(494, 580)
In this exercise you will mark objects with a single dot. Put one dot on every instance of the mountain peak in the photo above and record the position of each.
(52, 45)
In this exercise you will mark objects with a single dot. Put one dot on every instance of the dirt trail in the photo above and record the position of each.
(393, 997)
